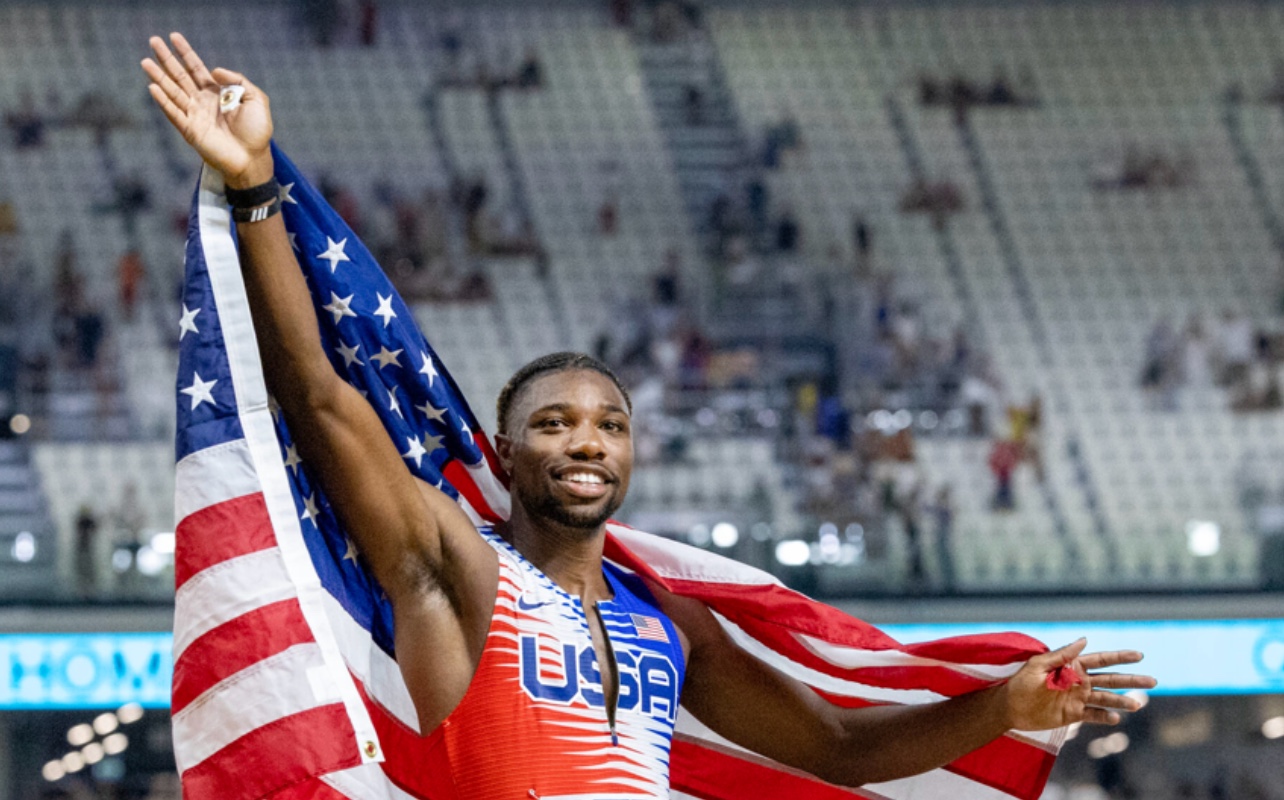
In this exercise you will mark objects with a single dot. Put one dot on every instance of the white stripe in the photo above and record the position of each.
(265, 451)
(376, 670)
(257, 695)
(492, 491)
(210, 476)
(819, 679)
(225, 591)
(366, 782)
(935, 785)
(857, 658)
(680, 561)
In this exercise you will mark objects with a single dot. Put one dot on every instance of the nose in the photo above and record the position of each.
(585, 443)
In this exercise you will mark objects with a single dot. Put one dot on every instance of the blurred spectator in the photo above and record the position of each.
(369, 28)
(942, 511)
(1161, 372)
(1233, 340)
(788, 232)
(779, 138)
(322, 19)
(939, 199)
(608, 215)
(86, 561)
(621, 13)
(959, 92)
(26, 122)
(1004, 458)
(1195, 367)
(862, 241)
(1143, 169)
(693, 104)
(99, 112)
(530, 74)
(130, 275)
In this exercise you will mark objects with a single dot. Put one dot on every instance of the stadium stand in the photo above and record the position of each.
(1058, 275)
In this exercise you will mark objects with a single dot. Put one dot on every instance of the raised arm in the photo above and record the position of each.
(758, 707)
(440, 576)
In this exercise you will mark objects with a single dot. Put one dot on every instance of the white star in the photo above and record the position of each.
(334, 252)
(274, 408)
(433, 442)
(465, 430)
(200, 391)
(339, 307)
(292, 460)
(416, 451)
(433, 414)
(428, 369)
(349, 354)
(393, 405)
(384, 357)
(285, 194)
(294, 241)
(351, 555)
(310, 510)
(187, 324)
(385, 309)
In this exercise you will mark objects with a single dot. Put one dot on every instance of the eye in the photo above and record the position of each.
(551, 422)
(612, 425)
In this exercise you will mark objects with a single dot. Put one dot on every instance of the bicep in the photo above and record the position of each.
(399, 534)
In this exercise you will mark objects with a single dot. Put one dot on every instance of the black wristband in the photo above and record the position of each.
(253, 196)
(258, 213)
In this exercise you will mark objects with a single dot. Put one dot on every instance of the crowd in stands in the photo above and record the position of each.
(1230, 352)
(1144, 168)
(960, 92)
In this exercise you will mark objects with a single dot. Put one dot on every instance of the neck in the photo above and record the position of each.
(570, 557)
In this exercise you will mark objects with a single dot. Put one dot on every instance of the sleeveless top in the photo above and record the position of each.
(535, 721)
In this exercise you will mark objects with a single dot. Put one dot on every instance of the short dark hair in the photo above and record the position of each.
(553, 362)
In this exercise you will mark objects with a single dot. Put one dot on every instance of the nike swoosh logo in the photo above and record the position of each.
(525, 606)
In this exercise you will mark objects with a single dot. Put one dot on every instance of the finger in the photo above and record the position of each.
(1112, 700)
(1111, 658)
(1120, 680)
(173, 67)
(176, 115)
(1067, 654)
(192, 61)
(171, 89)
(1098, 716)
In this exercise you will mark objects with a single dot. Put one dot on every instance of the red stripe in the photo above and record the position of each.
(457, 475)
(276, 756)
(1012, 765)
(224, 530)
(236, 644)
(407, 753)
(314, 789)
(492, 460)
(712, 773)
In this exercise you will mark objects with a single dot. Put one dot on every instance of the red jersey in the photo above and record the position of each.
(535, 722)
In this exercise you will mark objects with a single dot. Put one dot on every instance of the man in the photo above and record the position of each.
(537, 670)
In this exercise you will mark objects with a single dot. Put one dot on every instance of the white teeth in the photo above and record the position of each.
(583, 477)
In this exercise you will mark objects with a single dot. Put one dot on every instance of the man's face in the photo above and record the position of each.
(569, 448)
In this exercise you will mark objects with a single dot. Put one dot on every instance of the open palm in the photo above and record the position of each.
(1036, 702)
(229, 141)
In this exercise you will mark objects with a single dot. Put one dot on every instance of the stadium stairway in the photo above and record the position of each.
(709, 149)
(28, 549)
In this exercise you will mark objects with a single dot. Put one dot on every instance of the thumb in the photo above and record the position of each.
(1067, 654)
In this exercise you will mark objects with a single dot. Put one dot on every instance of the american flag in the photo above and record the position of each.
(649, 628)
(285, 679)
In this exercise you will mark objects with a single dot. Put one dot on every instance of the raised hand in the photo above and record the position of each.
(1036, 702)
(234, 142)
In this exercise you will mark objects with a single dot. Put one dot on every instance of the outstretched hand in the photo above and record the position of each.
(235, 141)
(1059, 688)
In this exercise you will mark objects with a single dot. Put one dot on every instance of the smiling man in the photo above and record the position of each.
(537, 669)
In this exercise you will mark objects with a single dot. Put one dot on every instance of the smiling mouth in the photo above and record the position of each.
(583, 483)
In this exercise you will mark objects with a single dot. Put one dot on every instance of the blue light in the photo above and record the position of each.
(1234, 656)
(85, 670)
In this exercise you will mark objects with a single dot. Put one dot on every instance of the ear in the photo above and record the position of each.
(504, 449)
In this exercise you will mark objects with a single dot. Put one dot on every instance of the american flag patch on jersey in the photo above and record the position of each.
(649, 628)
